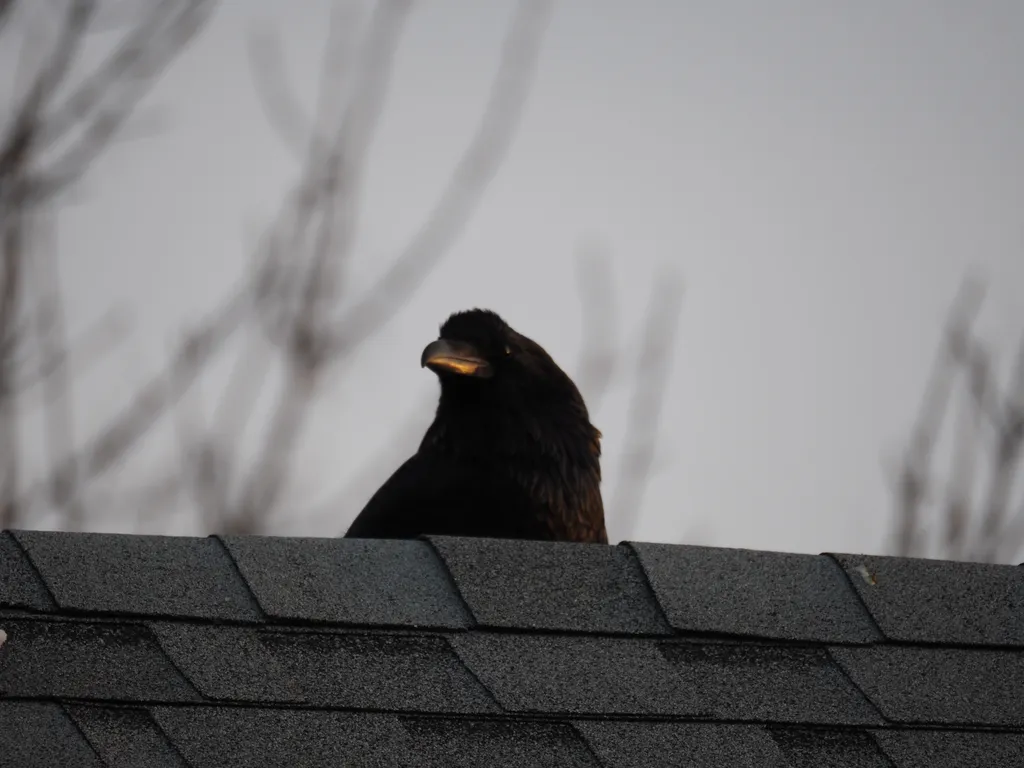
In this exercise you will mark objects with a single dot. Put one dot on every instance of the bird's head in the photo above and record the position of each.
(503, 378)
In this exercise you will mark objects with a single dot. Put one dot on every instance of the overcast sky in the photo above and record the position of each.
(823, 174)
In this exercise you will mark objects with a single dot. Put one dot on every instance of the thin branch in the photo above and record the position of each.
(911, 488)
(57, 395)
(1009, 442)
(17, 145)
(98, 134)
(599, 348)
(285, 115)
(332, 182)
(6, 13)
(477, 167)
(153, 399)
(654, 367)
(962, 479)
(87, 349)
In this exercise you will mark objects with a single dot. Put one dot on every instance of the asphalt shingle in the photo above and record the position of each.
(952, 749)
(822, 748)
(326, 669)
(230, 737)
(40, 735)
(471, 743)
(638, 744)
(79, 660)
(932, 601)
(769, 683)
(20, 587)
(356, 582)
(575, 675)
(141, 575)
(762, 594)
(939, 685)
(552, 586)
(125, 737)
(604, 676)
(163, 652)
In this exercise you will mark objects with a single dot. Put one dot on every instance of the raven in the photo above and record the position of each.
(511, 452)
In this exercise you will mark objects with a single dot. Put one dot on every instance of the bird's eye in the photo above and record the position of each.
(508, 350)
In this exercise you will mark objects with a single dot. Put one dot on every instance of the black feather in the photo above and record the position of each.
(509, 455)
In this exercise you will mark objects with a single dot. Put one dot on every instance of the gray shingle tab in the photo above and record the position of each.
(327, 669)
(141, 575)
(349, 581)
(604, 676)
(637, 744)
(575, 675)
(473, 743)
(40, 735)
(769, 683)
(20, 587)
(952, 749)
(551, 586)
(932, 601)
(823, 748)
(125, 737)
(232, 737)
(762, 594)
(939, 685)
(79, 660)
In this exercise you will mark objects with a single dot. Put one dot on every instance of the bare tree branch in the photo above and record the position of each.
(599, 349)
(911, 490)
(988, 418)
(87, 349)
(1009, 440)
(163, 47)
(153, 399)
(473, 173)
(285, 115)
(653, 372)
(57, 395)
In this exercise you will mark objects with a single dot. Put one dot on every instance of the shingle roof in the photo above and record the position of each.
(149, 651)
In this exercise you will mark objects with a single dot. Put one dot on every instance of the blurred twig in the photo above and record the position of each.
(986, 450)
(47, 142)
(651, 377)
(599, 347)
(308, 321)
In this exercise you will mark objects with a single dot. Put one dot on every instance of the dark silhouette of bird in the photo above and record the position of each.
(511, 452)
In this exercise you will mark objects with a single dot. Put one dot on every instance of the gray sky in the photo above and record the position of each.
(823, 174)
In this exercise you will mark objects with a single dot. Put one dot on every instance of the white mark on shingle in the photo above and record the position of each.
(867, 575)
(3, 638)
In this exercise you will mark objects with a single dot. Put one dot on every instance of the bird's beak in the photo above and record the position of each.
(458, 357)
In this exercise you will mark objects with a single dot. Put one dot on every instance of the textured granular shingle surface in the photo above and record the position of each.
(348, 670)
(20, 587)
(125, 736)
(87, 660)
(761, 594)
(174, 652)
(469, 743)
(552, 585)
(823, 748)
(349, 581)
(930, 601)
(284, 738)
(940, 685)
(638, 744)
(40, 735)
(145, 575)
(952, 749)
